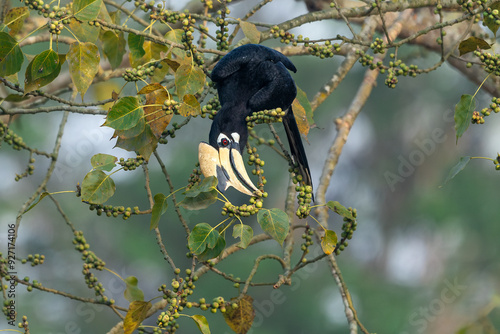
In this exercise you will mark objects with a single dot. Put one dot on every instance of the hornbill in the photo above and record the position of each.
(250, 78)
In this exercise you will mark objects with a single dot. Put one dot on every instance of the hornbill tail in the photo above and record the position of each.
(296, 147)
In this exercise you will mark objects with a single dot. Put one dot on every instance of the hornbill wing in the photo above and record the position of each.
(278, 88)
(280, 91)
(247, 55)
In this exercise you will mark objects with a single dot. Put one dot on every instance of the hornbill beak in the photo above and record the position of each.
(227, 165)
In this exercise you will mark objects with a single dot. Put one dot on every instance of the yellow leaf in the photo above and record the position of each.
(300, 117)
(155, 115)
(190, 106)
(137, 312)
(240, 319)
(152, 50)
(83, 60)
(328, 242)
(250, 31)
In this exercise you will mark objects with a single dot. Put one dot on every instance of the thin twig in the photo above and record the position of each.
(159, 240)
(172, 189)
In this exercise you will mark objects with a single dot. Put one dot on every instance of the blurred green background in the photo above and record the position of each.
(423, 260)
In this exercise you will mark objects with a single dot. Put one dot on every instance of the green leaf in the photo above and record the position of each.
(201, 322)
(135, 131)
(106, 16)
(457, 169)
(11, 56)
(245, 233)
(42, 195)
(208, 184)
(83, 60)
(113, 46)
(135, 44)
(201, 237)
(463, 113)
(137, 313)
(211, 253)
(97, 187)
(44, 64)
(159, 208)
(251, 32)
(491, 22)
(124, 114)
(15, 19)
(143, 144)
(328, 242)
(175, 36)
(189, 106)
(189, 79)
(84, 31)
(132, 292)
(31, 85)
(86, 10)
(340, 209)
(472, 44)
(274, 222)
(15, 98)
(201, 196)
(103, 161)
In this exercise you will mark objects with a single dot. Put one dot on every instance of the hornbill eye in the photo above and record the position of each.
(224, 142)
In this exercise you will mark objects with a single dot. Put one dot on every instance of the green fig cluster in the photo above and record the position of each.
(177, 297)
(187, 39)
(497, 162)
(141, 72)
(34, 259)
(470, 5)
(87, 256)
(348, 229)
(211, 108)
(90, 261)
(222, 35)
(477, 118)
(492, 14)
(55, 27)
(394, 69)
(113, 211)
(378, 45)
(10, 138)
(195, 177)
(24, 324)
(325, 50)
(244, 210)
(29, 170)
(55, 12)
(284, 36)
(308, 241)
(131, 163)
(304, 197)
(490, 61)
(265, 116)
(170, 107)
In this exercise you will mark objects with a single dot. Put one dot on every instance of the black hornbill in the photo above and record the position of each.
(250, 78)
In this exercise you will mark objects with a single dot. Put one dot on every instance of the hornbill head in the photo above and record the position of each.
(250, 78)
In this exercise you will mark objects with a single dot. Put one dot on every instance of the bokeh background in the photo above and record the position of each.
(423, 260)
